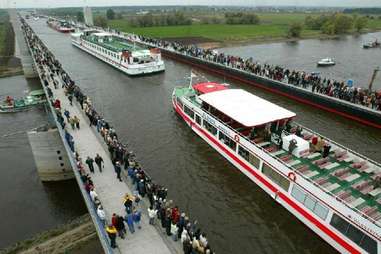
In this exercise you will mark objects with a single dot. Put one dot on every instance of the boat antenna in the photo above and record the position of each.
(191, 78)
(377, 69)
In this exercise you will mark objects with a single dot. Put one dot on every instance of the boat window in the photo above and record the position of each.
(320, 211)
(254, 160)
(227, 141)
(355, 234)
(209, 127)
(298, 194)
(277, 178)
(369, 244)
(249, 157)
(189, 112)
(198, 119)
(339, 223)
(243, 153)
(309, 202)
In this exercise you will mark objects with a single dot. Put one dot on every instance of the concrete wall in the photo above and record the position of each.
(50, 155)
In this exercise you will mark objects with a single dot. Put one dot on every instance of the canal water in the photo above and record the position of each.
(237, 216)
(27, 205)
(352, 61)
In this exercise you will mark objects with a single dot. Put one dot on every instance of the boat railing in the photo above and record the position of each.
(291, 167)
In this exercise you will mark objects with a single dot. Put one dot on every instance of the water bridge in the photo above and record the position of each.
(88, 142)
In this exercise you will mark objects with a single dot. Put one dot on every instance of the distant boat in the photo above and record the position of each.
(326, 62)
(370, 45)
(34, 98)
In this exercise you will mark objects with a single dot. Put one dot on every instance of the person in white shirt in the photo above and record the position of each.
(152, 214)
(93, 194)
(101, 214)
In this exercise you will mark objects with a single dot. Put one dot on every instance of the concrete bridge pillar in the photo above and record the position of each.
(23, 52)
(49, 154)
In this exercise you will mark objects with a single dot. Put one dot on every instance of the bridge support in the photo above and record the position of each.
(50, 155)
(26, 59)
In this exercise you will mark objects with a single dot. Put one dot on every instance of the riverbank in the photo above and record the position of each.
(74, 235)
(273, 28)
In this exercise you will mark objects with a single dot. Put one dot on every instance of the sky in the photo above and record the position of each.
(68, 3)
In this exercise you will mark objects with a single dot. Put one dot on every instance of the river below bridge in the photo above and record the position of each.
(237, 215)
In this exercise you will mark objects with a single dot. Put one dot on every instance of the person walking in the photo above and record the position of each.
(130, 222)
(118, 170)
(70, 97)
(89, 162)
(99, 161)
(76, 121)
(111, 232)
(120, 227)
(71, 122)
(67, 114)
(137, 215)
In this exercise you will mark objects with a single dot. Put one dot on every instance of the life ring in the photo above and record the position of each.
(292, 176)
(236, 138)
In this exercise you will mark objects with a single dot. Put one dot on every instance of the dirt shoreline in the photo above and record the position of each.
(208, 43)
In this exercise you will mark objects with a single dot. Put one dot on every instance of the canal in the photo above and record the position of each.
(237, 216)
(352, 61)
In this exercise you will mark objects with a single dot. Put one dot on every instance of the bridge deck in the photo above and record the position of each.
(109, 189)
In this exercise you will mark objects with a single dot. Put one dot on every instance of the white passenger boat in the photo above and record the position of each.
(334, 191)
(119, 52)
(326, 62)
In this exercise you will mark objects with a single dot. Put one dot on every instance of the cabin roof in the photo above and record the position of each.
(208, 87)
(245, 108)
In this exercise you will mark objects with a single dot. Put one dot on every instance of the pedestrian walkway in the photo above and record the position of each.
(109, 189)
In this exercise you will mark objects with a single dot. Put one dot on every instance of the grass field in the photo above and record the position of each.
(272, 26)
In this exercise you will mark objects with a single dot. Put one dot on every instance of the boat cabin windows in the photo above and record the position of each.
(310, 202)
(189, 112)
(243, 153)
(227, 141)
(283, 182)
(249, 157)
(209, 127)
(198, 119)
(356, 235)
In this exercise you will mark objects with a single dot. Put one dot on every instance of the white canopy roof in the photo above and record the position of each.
(102, 34)
(245, 108)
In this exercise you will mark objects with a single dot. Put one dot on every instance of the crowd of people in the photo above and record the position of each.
(312, 81)
(175, 223)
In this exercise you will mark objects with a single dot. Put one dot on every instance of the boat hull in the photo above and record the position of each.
(130, 70)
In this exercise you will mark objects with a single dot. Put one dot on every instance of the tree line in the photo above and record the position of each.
(337, 23)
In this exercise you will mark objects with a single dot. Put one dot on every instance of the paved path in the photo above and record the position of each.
(109, 189)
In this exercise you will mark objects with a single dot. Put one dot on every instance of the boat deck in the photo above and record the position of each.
(347, 176)
(116, 45)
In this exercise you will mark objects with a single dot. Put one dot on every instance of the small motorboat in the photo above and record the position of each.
(370, 45)
(326, 62)
(34, 98)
